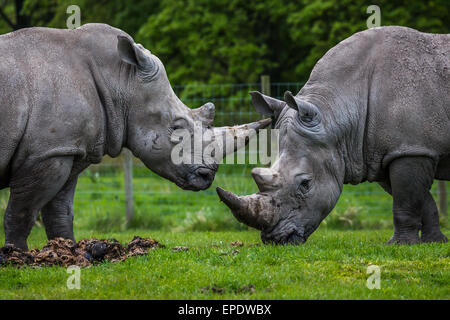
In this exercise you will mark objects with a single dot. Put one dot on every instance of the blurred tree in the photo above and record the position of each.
(320, 25)
(217, 41)
(18, 14)
(124, 14)
(238, 40)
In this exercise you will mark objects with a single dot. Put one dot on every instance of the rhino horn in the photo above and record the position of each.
(205, 113)
(234, 138)
(254, 210)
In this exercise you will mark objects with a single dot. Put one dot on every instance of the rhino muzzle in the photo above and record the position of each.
(261, 211)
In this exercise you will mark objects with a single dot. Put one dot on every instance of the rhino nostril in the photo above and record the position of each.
(204, 173)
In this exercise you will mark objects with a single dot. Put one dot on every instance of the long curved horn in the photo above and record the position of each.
(254, 210)
(234, 138)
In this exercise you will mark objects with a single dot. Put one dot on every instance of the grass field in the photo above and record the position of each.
(160, 205)
(331, 265)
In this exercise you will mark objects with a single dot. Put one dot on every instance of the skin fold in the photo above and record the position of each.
(69, 97)
(375, 108)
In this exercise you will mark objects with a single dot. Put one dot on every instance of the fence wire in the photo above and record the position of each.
(233, 106)
(100, 190)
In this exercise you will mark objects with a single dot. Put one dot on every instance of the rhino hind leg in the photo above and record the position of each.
(18, 224)
(57, 214)
(410, 181)
(31, 188)
(431, 231)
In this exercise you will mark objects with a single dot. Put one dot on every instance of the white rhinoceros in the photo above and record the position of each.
(69, 97)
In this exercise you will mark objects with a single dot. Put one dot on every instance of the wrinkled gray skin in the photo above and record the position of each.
(375, 108)
(69, 97)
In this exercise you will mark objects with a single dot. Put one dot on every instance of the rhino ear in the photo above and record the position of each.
(127, 51)
(290, 100)
(308, 113)
(133, 53)
(266, 105)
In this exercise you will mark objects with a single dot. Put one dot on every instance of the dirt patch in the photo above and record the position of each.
(250, 288)
(231, 253)
(178, 249)
(213, 289)
(64, 252)
(237, 244)
(246, 289)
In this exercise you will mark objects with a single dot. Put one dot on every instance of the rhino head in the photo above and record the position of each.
(303, 185)
(155, 113)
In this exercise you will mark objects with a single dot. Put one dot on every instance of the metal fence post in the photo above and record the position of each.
(442, 199)
(266, 89)
(128, 170)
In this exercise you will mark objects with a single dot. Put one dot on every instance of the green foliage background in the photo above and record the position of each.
(207, 45)
(234, 41)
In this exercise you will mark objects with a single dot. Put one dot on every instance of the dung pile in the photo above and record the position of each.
(64, 252)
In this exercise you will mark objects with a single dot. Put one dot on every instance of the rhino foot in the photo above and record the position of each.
(437, 236)
(403, 240)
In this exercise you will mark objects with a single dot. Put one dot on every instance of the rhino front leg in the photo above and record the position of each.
(32, 187)
(58, 213)
(410, 181)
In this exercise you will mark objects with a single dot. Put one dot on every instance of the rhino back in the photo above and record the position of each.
(385, 93)
(409, 98)
(49, 97)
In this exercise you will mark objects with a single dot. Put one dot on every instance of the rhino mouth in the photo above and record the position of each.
(200, 178)
(293, 238)
(263, 212)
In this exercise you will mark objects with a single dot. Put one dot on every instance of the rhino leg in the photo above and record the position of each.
(33, 186)
(410, 181)
(430, 222)
(430, 230)
(58, 213)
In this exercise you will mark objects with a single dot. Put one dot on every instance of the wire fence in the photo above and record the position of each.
(101, 196)
(102, 189)
(232, 101)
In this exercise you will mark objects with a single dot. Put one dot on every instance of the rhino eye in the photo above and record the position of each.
(176, 127)
(304, 186)
(179, 123)
(309, 120)
(303, 183)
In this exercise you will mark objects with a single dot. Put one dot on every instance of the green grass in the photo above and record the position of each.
(161, 205)
(331, 265)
